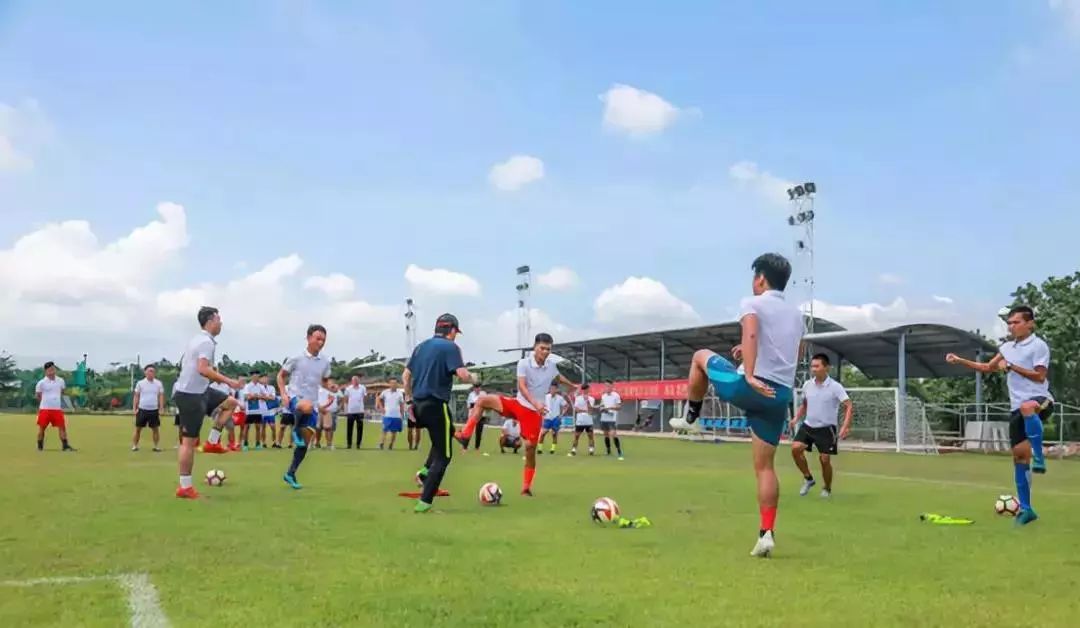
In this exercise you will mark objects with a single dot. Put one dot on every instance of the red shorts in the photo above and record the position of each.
(239, 418)
(54, 418)
(527, 418)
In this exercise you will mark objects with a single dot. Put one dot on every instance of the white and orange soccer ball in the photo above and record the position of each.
(1007, 505)
(215, 477)
(605, 510)
(490, 494)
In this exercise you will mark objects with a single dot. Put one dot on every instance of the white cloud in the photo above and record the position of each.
(558, 278)
(944, 300)
(336, 285)
(516, 172)
(441, 281)
(642, 303)
(22, 129)
(891, 279)
(1069, 11)
(771, 187)
(637, 112)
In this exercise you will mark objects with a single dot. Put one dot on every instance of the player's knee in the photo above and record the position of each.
(825, 459)
(701, 357)
(798, 449)
(1029, 407)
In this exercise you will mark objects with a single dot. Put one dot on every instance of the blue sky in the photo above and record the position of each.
(360, 137)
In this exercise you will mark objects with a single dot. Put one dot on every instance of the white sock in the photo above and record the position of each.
(215, 436)
(185, 481)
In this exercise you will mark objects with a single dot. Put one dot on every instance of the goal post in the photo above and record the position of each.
(883, 420)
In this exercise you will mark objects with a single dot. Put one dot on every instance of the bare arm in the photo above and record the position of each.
(524, 391)
(465, 376)
(406, 384)
(282, 375)
(1038, 374)
(566, 382)
(213, 375)
(994, 364)
(135, 400)
(800, 413)
(379, 406)
(849, 411)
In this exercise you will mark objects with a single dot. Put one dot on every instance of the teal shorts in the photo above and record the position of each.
(765, 415)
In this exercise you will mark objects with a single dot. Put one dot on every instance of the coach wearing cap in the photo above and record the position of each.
(428, 378)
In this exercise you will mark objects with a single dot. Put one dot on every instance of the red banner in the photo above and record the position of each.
(647, 389)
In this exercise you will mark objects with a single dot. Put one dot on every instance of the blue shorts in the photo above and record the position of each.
(391, 424)
(269, 418)
(552, 424)
(766, 416)
(302, 422)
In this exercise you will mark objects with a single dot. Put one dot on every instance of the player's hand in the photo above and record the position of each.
(235, 385)
(791, 425)
(474, 378)
(952, 358)
(1003, 366)
(844, 431)
(736, 352)
(761, 387)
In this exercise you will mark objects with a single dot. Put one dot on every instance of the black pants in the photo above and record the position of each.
(433, 415)
(358, 420)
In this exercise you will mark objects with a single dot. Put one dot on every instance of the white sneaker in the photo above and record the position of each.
(807, 485)
(764, 546)
(134, 448)
(825, 493)
(679, 423)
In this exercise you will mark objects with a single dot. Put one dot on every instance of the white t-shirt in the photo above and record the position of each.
(538, 377)
(254, 389)
(52, 391)
(392, 400)
(148, 393)
(325, 397)
(355, 399)
(823, 402)
(582, 404)
(780, 329)
(202, 345)
(555, 405)
(471, 399)
(511, 428)
(609, 401)
(1028, 353)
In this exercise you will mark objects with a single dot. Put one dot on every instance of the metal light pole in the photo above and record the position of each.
(524, 281)
(410, 325)
(801, 198)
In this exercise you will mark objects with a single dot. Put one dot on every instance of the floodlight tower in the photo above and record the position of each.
(801, 200)
(410, 325)
(524, 281)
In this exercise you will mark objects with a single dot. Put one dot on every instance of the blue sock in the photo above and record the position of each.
(1033, 429)
(297, 457)
(1022, 473)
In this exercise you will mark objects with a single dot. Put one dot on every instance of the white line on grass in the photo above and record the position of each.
(996, 487)
(142, 595)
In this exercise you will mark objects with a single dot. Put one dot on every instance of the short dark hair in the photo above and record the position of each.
(775, 268)
(585, 386)
(206, 314)
(1024, 310)
(543, 338)
(147, 367)
(554, 384)
(821, 357)
(609, 382)
(314, 327)
(49, 365)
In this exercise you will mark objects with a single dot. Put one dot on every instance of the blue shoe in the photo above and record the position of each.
(1038, 463)
(258, 446)
(1026, 516)
(290, 479)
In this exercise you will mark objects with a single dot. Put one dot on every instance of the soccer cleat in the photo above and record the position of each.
(765, 545)
(592, 452)
(258, 446)
(214, 448)
(807, 485)
(187, 493)
(422, 508)
(290, 479)
(826, 493)
(621, 458)
(69, 448)
(539, 452)
(134, 448)
(244, 448)
(157, 450)
(681, 424)
(234, 447)
(527, 492)
(277, 446)
(462, 440)
(1026, 516)
(552, 451)
(1038, 464)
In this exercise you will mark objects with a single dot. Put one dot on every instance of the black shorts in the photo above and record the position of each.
(176, 419)
(147, 418)
(824, 438)
(194, 408)
(608, 426)
(288, 419)
(1017, 431)
(583, 428)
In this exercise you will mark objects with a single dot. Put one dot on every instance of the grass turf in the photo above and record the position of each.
(347, 551)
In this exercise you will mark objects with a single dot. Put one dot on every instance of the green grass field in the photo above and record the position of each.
(347, 551)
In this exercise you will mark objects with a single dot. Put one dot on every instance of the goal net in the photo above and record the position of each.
(881, 422)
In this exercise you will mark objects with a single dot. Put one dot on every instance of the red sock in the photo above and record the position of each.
(470, 425)
(530, 473)
(768, 517)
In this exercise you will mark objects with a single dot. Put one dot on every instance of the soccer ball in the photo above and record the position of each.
(605, 510)
(490, 494)
(1007, 505)
(215, 477)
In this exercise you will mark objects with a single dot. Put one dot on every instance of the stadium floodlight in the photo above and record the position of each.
(523, 270)
(800, 190)
(810, 187)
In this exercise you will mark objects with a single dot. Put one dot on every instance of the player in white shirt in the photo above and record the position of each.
(510, 437)
(610, 404)
(1026, 359)
(355, 393)
(239, 416)
(391, 403)
(147, 402)
(327, 403)
(823, 397)
(255, 398)
(269, 418)
(534, 376)
(772, 330)
(478, 435)
(557, 406)
(50, 395)
(584, 406)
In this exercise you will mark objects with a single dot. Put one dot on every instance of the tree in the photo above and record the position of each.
(1057, 311)
(9, 376)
